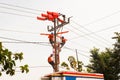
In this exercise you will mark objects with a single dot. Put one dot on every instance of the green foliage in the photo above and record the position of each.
(80, 64)
(76, 65)
(7, 61)
(107, 62)
(64, 64)
(18, 56)
(72, 62)
(24, 68)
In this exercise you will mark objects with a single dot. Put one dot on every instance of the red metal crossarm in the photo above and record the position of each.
(50, 16)
(57, 33)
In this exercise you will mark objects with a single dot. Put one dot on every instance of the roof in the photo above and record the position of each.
(77, 74)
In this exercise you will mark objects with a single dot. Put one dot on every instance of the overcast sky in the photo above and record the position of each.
(93, 24)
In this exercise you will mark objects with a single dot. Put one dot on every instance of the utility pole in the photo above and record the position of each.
(58, 23)
(55, 48)
(56, 45)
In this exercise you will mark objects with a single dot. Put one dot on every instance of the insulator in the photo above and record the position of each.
(41, 18)
(54, 14)
(50, 17)
(44, 15)
(48, 12)
(49, 28)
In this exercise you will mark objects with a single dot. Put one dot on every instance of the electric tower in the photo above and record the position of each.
(58, 20)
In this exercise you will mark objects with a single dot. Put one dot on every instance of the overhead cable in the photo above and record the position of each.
(101, 30)
(22, 7)
(17, 14)
(1, 29)
(22, 41)
(98, 36)
(19, 10)
(102, 18)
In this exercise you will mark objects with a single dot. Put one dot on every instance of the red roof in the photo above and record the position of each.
(77, 74)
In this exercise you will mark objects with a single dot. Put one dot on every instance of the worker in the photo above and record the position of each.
(50, 36)
(50, 61)
(63, 41)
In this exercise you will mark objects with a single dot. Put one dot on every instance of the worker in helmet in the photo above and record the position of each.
(51, 61)
(50, 36)
(63, 41)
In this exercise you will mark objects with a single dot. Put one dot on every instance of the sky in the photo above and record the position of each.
(92, 24)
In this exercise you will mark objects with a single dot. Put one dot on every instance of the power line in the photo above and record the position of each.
(92, 32)
(97, 21)
(22, 32)
(78, 52)
(18, 10)
(82, 54)
(47, 43)
(88, 36)
(45, 11)
(17, 31)
(22, 7)
(75, 37)
(102, 18)
(79, 36)
(98, 31)
(74, 22)
(22, 41)
(17, 14)
(34, 66)
(17, 6)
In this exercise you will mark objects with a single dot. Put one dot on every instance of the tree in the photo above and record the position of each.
(76, 65)
(107, 62)
(116, 57)
(8, 61)
(100, 62)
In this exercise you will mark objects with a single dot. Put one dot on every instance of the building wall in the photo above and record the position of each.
(74, 78)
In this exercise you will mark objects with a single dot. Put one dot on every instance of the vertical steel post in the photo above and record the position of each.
(77, 58)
